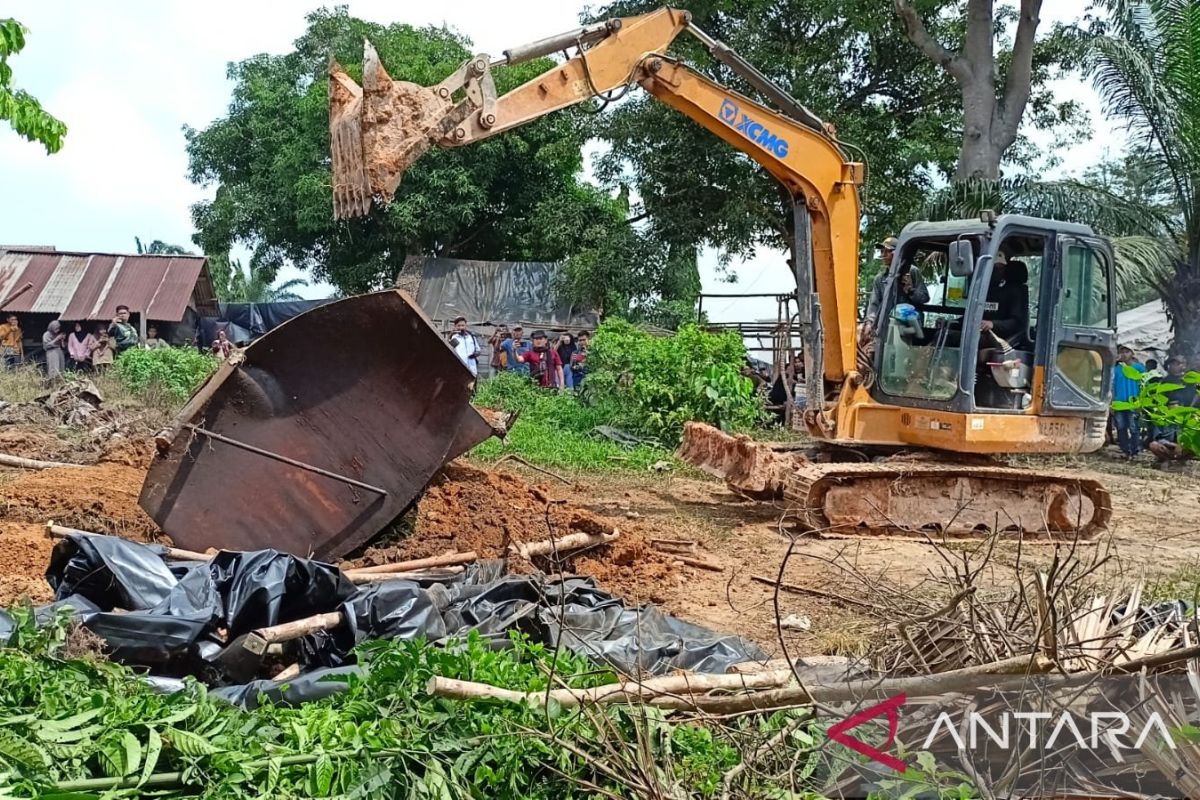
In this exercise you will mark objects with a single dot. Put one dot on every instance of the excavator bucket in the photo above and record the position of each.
(378, 130)
(317, 435)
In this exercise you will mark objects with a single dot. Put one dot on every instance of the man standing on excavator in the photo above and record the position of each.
(911, 288)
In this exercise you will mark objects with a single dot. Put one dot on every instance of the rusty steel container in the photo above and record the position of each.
(317, 435)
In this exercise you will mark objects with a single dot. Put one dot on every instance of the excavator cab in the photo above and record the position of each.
(1017, 319)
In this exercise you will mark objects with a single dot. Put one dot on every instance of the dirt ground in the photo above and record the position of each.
(1155, 535)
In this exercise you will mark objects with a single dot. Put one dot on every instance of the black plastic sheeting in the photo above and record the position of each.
(185, 618)
(245, 322)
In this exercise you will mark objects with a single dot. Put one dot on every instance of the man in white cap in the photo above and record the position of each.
(911, 288)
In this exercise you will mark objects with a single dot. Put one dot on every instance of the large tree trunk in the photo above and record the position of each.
(990, 120)
(1182, 298)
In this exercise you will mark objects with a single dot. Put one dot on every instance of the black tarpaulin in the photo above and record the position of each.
(498, 292)
(185, 618)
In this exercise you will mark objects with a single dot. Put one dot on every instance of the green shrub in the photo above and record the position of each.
(555, 429)
(1153, 402)
(654, 384)
(176, 370)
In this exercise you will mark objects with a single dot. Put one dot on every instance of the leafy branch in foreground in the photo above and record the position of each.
(1155, 403)
(18, 107)
(93, 728)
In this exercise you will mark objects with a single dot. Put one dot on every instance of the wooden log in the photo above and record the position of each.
(699, 563)
(447, 560)
(750, 667)
(687, 692)
(626, 692)
(440, 572)
(673, 544)
(562, 544)
(16, 462)
(287, 673)
(258, 641)
(60, 532)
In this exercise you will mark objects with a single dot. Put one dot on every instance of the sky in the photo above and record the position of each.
(127, 75)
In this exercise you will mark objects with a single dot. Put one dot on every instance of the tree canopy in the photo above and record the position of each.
(852, 64)
(518, 196)
(234, 283)
(18, 108)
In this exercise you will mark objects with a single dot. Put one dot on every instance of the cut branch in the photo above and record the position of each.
(31, 463)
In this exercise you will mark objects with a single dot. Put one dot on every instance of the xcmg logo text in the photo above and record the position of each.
(756, 132)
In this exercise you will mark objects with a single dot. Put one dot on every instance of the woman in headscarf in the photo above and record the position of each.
(566, 349)
(79, 349)
(102, 350)
(53, 342)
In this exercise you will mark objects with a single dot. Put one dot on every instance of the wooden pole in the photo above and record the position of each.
(629, 691)
(31, 463)
(258, 641)
(380, 577)
(572, 541)
(447, 560)
(699, 563)
(60, 532)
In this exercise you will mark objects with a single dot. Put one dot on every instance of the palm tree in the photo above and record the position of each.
(159, 248)
(235, 284)
(1147, 72)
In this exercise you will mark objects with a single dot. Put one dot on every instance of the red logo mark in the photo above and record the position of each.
(890, 707)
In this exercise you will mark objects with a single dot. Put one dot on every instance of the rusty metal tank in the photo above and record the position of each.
(316, 436)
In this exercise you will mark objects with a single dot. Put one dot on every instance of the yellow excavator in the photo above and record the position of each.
(907, 427)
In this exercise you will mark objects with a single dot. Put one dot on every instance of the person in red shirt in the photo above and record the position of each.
(545, 366)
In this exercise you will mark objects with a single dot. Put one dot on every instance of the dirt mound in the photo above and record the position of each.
(473, 509)
(137, 453)
(25, 442)
(25, 553)
(99, 498)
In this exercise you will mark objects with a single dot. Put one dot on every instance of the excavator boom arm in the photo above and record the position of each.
(378, 133)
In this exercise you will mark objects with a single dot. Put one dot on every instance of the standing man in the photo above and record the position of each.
(545, 367)
(123, 335)
(465, 345)
(11, 347)
(578, 365)
(1125, 389)
(514, 348)
(911, 288)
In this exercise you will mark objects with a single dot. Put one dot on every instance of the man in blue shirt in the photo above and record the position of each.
(1125, 388)
(515, 347)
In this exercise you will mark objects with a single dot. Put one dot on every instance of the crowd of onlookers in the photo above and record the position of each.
(87, 347)
(1133, 431)
(551, 364)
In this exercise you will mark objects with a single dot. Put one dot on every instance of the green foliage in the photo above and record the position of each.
(1147, 74)
(516, 196)
(92, 726)
(654, 384)
(159, 248)
(234, 284)
(176, 370)
(19, 108)
(1155, 403)
(555, 429)
(850, 63)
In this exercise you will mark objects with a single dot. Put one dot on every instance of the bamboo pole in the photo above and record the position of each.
(572, 541)
(446, 560)
(17, 462)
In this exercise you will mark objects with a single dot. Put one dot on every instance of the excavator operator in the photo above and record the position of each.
(1006, 313)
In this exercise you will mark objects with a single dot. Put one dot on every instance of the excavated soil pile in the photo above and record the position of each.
(473, 509)
(24, 554)
(102, 497)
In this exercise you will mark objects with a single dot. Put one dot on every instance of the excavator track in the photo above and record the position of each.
(904, 496)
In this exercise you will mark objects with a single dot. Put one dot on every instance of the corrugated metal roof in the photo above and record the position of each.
(91, 285)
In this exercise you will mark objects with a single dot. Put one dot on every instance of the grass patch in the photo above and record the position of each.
(22, 385)
(1182, 583)
(554, 430)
